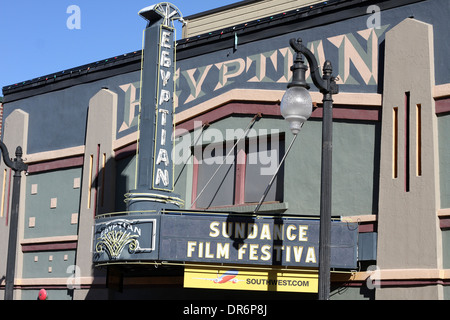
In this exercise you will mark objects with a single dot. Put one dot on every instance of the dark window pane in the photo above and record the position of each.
(264, 155)
(220, 191)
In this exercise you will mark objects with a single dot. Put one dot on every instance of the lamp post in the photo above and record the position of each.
(296, 108)
(17, 166)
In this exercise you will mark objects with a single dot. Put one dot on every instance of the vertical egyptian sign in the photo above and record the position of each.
(163, 166)
(155, 168)
(154, 174)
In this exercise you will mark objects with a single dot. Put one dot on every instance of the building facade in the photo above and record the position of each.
(81, 133)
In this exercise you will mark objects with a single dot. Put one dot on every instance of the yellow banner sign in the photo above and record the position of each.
(247, 279)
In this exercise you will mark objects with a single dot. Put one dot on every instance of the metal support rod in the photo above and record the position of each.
(12, 242)
(250, 125)
(325, 200)
(327, 86)
(18, 166)
(274, 176)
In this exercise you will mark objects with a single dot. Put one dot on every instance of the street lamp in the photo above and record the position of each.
(17, 166)
(296, 108)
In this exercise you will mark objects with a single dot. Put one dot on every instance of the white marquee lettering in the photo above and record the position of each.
(165, 41)
(162, 176)
(163, 137)
(165, 59)
(164, 114)
(164, 97)
(165, 77)
(163, 157)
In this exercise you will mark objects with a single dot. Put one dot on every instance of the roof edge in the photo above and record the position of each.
(219, 9)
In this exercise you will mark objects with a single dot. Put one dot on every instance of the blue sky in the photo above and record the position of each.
(35, 39)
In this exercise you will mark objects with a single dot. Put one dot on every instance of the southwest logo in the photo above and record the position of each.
(228, 276)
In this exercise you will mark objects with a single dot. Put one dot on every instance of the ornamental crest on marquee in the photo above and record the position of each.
(122, 238)
(115, 241)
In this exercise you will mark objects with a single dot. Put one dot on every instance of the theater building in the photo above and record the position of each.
(145, 169)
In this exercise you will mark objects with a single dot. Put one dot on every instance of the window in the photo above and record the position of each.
(217, 187)
(227, 176)
(395, 143)
(418, 140)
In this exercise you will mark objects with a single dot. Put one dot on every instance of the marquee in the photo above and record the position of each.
(188, 236)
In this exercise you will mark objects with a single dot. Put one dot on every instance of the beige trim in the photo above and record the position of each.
(126, 140)
(441, 90)
(362, 218)
(54, 154)
(348, 98)
(402, 274)
(75, 151)
(239, 13)
(443, 212)
(352, 98)
(49, 239)
(58, 281)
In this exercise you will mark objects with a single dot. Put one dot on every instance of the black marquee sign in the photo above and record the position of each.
(221, 238)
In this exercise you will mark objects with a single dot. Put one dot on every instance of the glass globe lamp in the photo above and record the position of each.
(296, 107)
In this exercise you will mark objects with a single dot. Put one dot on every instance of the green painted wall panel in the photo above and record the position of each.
(446, 249)
(37, 264)
(58, 295)
(444, 159)
(50, 222)
(355, 169)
